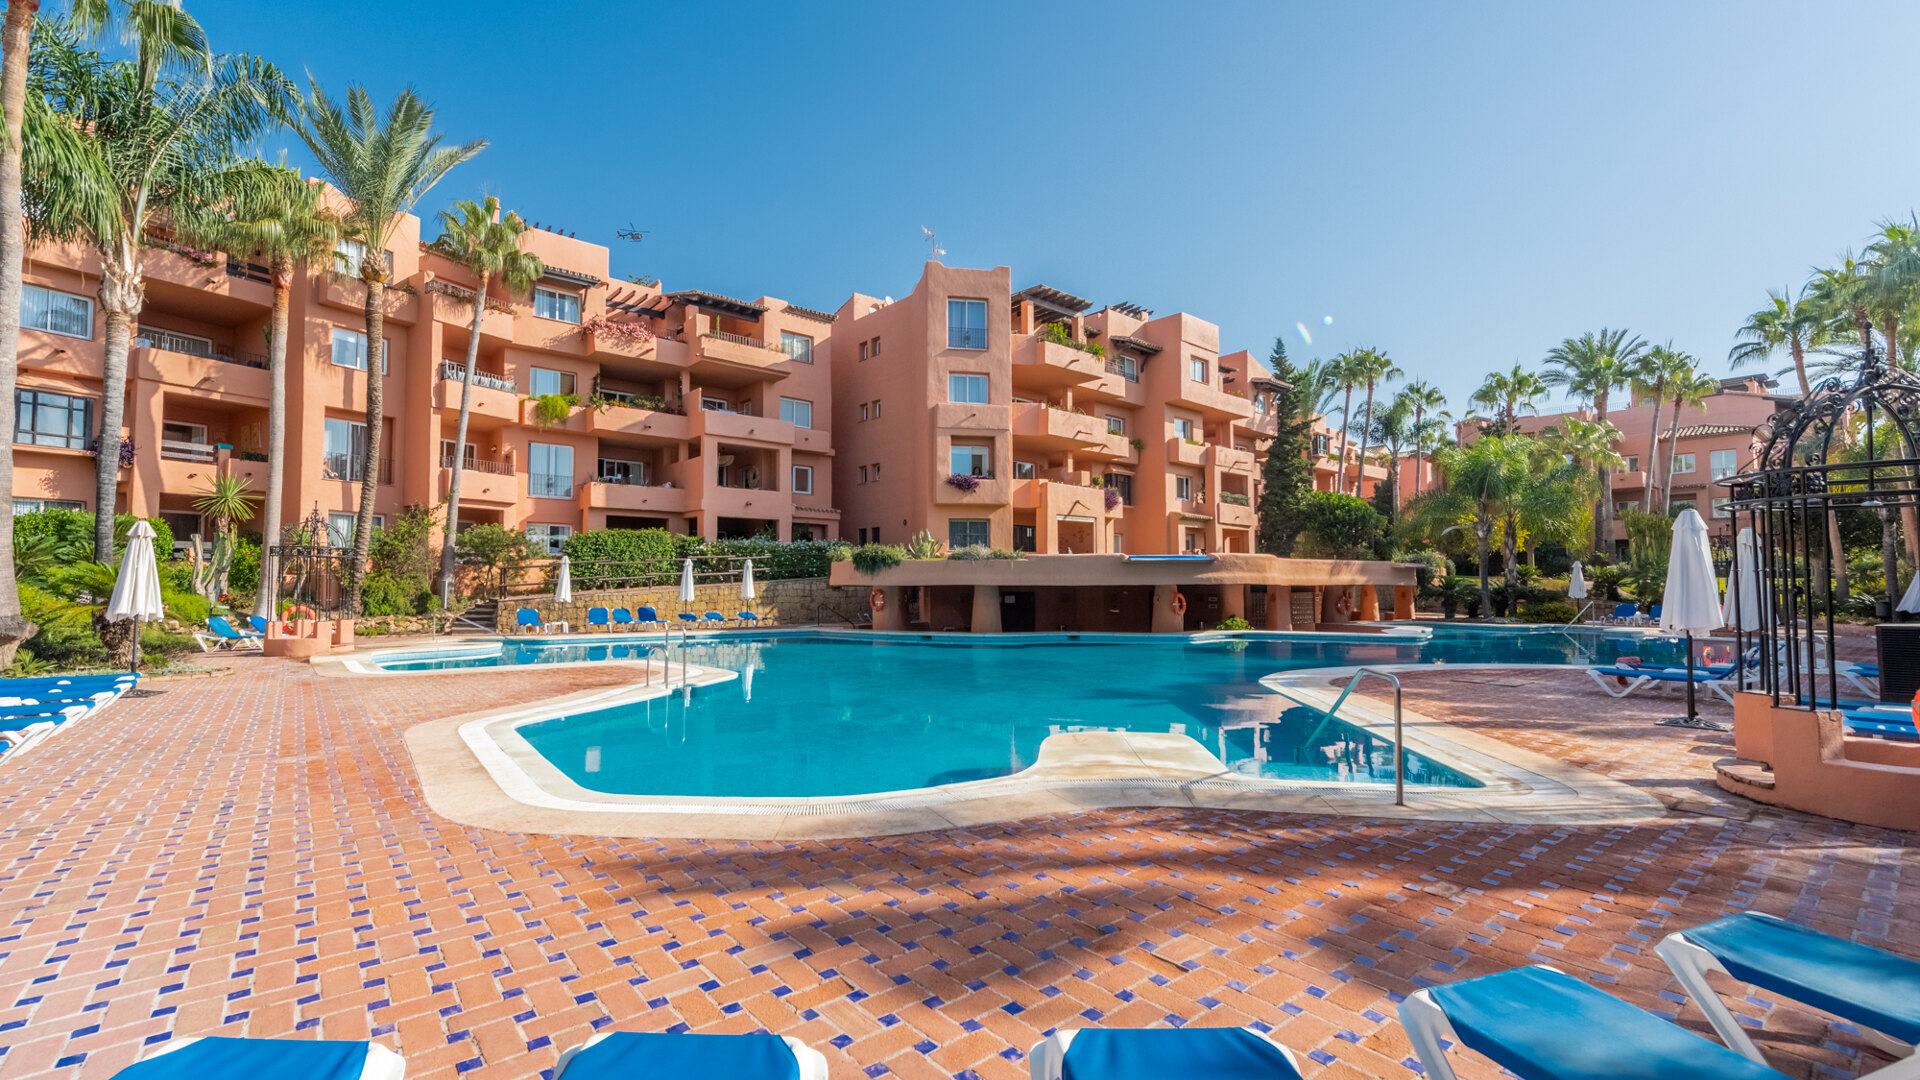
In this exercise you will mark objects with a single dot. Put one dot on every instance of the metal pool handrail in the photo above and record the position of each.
(1399, 735)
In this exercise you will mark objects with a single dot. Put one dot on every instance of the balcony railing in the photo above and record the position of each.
(740, 339)
(457, 372)
(550, 485)
(966, 337)
(1126, 370)
(351, 468)
(478, 464)
(249, 271)
(178, 450)
(622, 471)
(187, 345)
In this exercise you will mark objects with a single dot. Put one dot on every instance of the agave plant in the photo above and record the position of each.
(226, 503)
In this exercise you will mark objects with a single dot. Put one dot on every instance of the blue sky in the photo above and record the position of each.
(1462, 187)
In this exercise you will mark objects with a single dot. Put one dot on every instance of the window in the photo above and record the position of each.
(1183, 487)
(876, 528)
(796, 412)
(863, 536)
(1632, 465)
(1682, 463)
(876, 352)
(1116, 425)
(467, 459)
(1720, 509)
(1183, 428)
(1119, 544)
(549, 471)
(340, 527)
(967, 389)
(542, 381)
(863, 355)
(876, 475)
(42, 418)
(708, 401)
(34, 506)
(554, 304)
(616, 471)
(968, 532)
(1193, 541)
(348, 253)
(1025, 538)
(350, 350)
(863, 479)
(972, 458)
(966, 324)
(796, 346)
(1122, 483)
(55, 312)
(803, 479)
(1321, 444)
(344, 450)
(1725, 463)
(1197, 368)
(1023, 470)
(171, 431)
(1260, 404)
(1126, 367)
(551, 537)
(864, 407)
(876, 409)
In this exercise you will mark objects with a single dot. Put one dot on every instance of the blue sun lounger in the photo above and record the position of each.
(622, 617)
(646, 616)
(1155, 1053)
(218, 1058)
(748, 617)
(1870, 987)
(1543, 1024)
(1640, 677)
(623, 1055)
(1886, 721)
(221, 634)
(598, 616)
(689, 617)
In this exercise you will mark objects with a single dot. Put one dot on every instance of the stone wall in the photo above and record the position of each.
(792, 602)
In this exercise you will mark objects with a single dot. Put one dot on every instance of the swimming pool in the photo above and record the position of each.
(839, 714)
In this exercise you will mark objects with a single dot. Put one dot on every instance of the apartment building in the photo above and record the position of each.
(1715, 439)
(1028, 420)
(1336, 462)
(699, 413)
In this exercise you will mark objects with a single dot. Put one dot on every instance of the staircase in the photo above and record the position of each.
(478, 619)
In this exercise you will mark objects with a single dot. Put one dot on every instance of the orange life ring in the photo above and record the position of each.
(877, 599)
(1179, 603)
(287, 616)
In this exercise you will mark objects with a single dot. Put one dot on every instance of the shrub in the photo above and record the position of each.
(1234, 622)
(243, 577)
(1430, 566)
(551, 409)
(923, 546)
(1339, 526)
(497, 550)
(1528, 575)
(1548, 611)
(873, 558)
(627, 558)
(383, 593)
(404, 548)
(189, 608)
(74, 529)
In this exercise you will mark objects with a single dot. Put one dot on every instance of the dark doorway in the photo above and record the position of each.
(1016, 612)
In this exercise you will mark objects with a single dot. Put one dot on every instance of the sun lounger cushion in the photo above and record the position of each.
(625, 1055)
(1859, 982)
(1542, 1024)
(215, 1058)
(1156, 1053)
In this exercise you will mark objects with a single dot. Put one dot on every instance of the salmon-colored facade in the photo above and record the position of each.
(1029, 421)
(698, 413)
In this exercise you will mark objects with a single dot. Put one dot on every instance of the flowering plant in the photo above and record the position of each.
(1113, 498)
(964, 482)
(624, 333)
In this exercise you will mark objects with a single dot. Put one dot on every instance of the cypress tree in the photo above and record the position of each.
(1287, 477)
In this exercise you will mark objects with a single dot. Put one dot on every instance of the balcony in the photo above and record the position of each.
(475, 463)
(352, 468)
(733, 356)
(578, 418)
(1182, 452)
(1234, 511)
(492, 395)
(458, 372)
(636, 498)
(1629, 481)
(498, 491)
(206, 376)
(453, 305)
(549, 485)
(729, 424)
(635, 420)
(1229, 458)
(178, 450)
(992, 491)
(1215, 404)
(1043, 427)
(1054, 498)
(1049, 364)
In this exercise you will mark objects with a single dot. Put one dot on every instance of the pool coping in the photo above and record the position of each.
(475, 769)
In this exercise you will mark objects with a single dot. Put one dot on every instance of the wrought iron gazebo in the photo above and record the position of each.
(309, 570)
(1789, 498)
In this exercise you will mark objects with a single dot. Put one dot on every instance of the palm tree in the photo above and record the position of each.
(1892, 280)
(1592, 447)
(1840, 295)
(1392, 429)
(225, 504)
(130, 148)
(1373, 368)
(1660, 366)
(1421, 396)
(487, 243)
(383, 166)
(1591, 367)
(1491, 481)
(1345, 370)
(1508, 394)
(275, 216)
(1792, 323)
(1689, 388)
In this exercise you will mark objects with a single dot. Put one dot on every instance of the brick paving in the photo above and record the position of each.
(250, 856)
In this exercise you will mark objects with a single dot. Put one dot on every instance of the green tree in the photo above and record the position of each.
(1338, 526)
(1372, 367)
(127, 146)
(276, 216)
(1790, 322)
(1591, 367)
(485, 241)
(226, 503)
(1591, 446)
(1422, 397)
(1687, 388)
(383, 165)
(1392, 429)
(163, 34)
(1495, 482)
(1507, 394)
(1659, 367)
(1344, 370)
(1286, 476)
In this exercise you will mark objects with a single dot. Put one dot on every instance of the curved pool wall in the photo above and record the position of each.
(813, 714)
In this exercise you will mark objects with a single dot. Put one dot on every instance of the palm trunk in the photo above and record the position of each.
(1480, 531)
(1603, 514)
(276, 432)
(1673, 447)
(1418, 444)
(460, 446)
(1346, 422)
(1509, 549)
(1800, 368)
(1653, 450)
(373, 272)
(121, 297)
(14, 34)
(1366, 432)
(1890, 327)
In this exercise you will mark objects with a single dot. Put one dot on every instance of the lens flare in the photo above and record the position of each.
(1304, 336)
(1326, 320)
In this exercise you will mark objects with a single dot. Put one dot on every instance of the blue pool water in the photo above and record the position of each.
(817, 714)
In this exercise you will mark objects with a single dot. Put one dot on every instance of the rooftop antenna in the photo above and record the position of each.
(631, 233)
(934, 250)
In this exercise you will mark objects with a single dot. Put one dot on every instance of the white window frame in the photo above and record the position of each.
(1683, 463)
(864, 406)
(798, 347)
(559, 304)
(980, 456)
(34, 506)
(876, 408)
(353, 520)
(1198, 369)
(355, 447)
(791, 408)
(1183, 427)
(552, 452)
(1732, 459)
(802, 480)
(962, 331)
(958, 379)
(565, 381)
(1116, 424)
(359, 338)
(196, 433)
(28, 292)
(554, 536)
(1183, 488)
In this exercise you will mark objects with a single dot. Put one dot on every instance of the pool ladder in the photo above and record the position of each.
(1399, 733)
